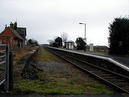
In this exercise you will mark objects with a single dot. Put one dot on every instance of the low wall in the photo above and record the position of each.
(29, 71)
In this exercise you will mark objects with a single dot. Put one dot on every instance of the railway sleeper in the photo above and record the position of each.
(119, 81)
(126, 88)
(122, 84)
(108, 78)
(103, 74)
(106, 75)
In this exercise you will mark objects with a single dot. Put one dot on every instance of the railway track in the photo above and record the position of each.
(114, 79)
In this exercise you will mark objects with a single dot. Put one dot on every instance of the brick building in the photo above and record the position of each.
(13, 35)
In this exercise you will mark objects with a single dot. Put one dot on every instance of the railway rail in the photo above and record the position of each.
(101, 70)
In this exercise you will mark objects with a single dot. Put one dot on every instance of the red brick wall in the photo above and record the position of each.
(7, 32)
(7, 37)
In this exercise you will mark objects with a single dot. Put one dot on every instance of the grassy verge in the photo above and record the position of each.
(62, 86)
(98, 52)
(46, 56)
(62, 78)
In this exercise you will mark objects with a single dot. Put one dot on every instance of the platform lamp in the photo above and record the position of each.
(84, 32)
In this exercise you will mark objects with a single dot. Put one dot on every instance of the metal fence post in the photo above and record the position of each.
(10, 70)
(7, 69)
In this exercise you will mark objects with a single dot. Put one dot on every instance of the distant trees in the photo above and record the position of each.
(57, 42)
(119, 36)
(64, 37)
(81, 45)
(51, 42)
(32, 42)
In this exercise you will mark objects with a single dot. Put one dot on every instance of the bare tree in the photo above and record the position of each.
(64, 37)
(51, 42)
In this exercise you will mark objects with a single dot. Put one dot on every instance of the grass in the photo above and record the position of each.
(45, 56)
(71, 81)
(63, 86)
(98, 52)
(48, 87)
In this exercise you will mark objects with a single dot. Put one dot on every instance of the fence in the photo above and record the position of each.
(5, 67)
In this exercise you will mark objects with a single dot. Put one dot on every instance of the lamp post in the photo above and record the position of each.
(84, 31)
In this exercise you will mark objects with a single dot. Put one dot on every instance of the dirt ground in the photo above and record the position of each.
(54, 76)
(19, 55)
(57, 76)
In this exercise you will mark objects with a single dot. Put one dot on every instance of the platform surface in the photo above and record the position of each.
(122, 60)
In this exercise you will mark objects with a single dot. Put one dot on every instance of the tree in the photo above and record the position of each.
(80, 43)
(64, 37)
(51, 42)
(58, 41)
(32, 42)
(119, 37)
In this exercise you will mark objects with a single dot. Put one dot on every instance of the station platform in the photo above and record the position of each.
(122, 60)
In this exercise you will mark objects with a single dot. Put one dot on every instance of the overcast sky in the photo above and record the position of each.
(45, 19)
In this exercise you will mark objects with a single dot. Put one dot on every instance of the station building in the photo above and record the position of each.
(69, 44)
(14, 36)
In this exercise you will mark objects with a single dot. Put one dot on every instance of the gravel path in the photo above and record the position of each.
(51, 66)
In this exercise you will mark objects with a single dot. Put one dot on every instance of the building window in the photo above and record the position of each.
(0, 41)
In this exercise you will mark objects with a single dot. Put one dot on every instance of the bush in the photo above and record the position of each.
(119, 37)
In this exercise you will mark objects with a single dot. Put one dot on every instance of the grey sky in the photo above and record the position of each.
(46, 19)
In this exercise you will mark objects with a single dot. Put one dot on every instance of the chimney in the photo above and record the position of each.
(15, 26)
(5, 26)
(11, 25)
